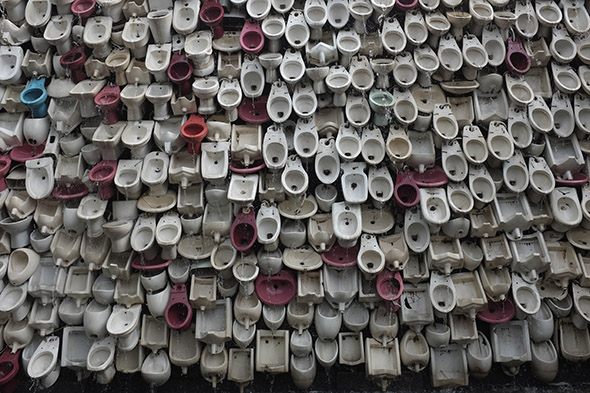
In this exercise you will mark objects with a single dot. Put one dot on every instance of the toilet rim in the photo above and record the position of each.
(9, 360)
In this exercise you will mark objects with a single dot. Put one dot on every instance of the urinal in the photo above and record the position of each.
(251, 37)
(526, 296)
(575, 17)
(39, 179)
(474, 55)
(479, 356)
(405, 73)
(156, 369)
(44, 364)
(541, 324)
(562, 47)
(273, 316)
(157, 61)
(416, 231)
(544, 361)
(57, 32)
(414, 351)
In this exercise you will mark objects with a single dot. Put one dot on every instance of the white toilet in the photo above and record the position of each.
(44, 364)
(101, 359)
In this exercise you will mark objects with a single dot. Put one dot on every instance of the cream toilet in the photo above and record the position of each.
(414, 351)
(125, 326)
(101, 359)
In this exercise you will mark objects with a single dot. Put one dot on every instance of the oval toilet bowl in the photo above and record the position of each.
(44, 364)
(479, 356)
(178, 312)
(442, 290)
(101, 357)
(414, 351)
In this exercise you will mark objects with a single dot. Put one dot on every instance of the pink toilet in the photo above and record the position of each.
(517, 60)
(108, 100)
(406, 191)
(193, 131)
(178, 312)
(251, 38)
(390, 285)
(212, 15)
(5, 162)
(103, 173)
(74, 60)
(83, 9)
(180, 71)
(243, 232)
(64, 191)
(9, 367)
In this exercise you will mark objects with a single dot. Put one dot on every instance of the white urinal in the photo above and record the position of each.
(479, 356)
(156, 369)
(544, 361)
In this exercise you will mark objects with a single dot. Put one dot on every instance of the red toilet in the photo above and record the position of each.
(212, 15)
(103, 173)
(83, 9)
(243, 232)
(180, 71)
(178, 312)
(390, 285)
(108, 100)
(193, 132)
(73, 60)
(251, 38)
(9, 367)
(517, 60)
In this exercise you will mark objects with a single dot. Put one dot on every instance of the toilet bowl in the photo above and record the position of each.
(178, 312)
(444, 123)
(229, 97)
(361, 11)
(44, 363)
(548, 15)
(252, 78)
(416, 231)
(434, 205)
(180, 72)
(251, 37)
(338, 13)
(358, 112)
(101, 358)
(168, 232)
(301, 344)
(414, 351)
(316, 16)
(104, 174)
(9, 362)
(565, 207)
(519, 90)
(193, 131)
(97, 34)
(274, 148)
(575, 17)
(481, 184)
(338, 81)
(450, 56)
(527, 24)
(212, 15)
(294, 179)
(347, 223)
(39, 180)
(57, 32)
(243, 232)
(154, 172)
(562, 47)
(124, 325)
(92, 210)
(34, 96)
(305, 138)
(136, 35)
(22, 264)
(563, 115)
(405, 73)
(143, 236)
(540, 116)
(273, 28)
(427, 63)
(268, 224)
(157, 61)
(493, 43)
(566, 79)
(526, 296)
(18, 230)
(108, 100)
(327, 322)
(95, 319)
(405, 110)
(474, 55)
(137, 136)
(544, 361)
(292, 69)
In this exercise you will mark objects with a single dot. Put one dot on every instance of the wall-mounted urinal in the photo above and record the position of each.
(273, 316)
(544, 361)
(570, 334)
(414, 351)
(44, 364)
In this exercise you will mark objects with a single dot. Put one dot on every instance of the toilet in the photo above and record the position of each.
(566, 209)
(526, 296)
(274, 148)
(101, 360)
(442, 290)
(178, 312)
(44, 364)
(124, 325)
(229, 97)
(416, 231)
(154, 172)
(252, 78)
